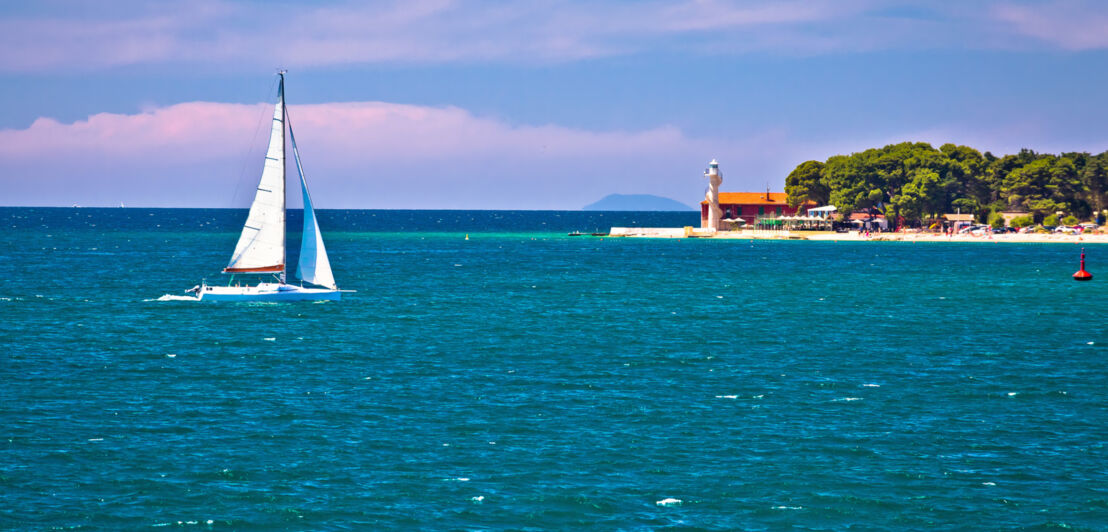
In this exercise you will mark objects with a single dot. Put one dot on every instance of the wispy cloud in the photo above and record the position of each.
(213, 31)
(1070, 25)
(216, 32)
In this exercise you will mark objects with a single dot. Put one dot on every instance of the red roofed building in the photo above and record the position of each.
(869, 219)
(750, 206)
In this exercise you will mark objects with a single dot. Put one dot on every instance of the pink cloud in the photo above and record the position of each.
(208, 128)
(358, 154)
(371, 128)
(387, 155)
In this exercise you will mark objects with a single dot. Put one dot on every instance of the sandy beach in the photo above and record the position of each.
(854, 236)
(1040, 238)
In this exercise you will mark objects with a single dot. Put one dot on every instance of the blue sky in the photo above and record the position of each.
(537, 105)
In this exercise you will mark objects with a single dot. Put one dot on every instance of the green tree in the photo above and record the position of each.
(1070, 220)
(1022, 221)
(996, 220)
(1044, 186)
(968, 169)
(915, 179)
(852, 185)
(805, 183)
(1065, 186)
(922, 195)
(969, 206)
(996, 175)
(1051, 220)
(1095, 178)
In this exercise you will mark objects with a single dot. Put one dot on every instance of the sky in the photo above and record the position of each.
(545, 104)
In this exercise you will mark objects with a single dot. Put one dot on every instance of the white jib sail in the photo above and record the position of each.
(261, 248)
(313, 266)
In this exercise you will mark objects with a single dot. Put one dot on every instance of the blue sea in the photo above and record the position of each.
(524, 379)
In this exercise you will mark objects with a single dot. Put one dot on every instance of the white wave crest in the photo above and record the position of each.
(171, 297)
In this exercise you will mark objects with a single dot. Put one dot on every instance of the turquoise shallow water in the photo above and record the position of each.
(527, 380)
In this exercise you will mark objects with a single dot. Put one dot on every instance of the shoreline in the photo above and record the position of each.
(854, 236)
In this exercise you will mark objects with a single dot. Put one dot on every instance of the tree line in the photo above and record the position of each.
(915, 181)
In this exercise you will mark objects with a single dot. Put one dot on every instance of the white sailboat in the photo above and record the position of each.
(261, 247)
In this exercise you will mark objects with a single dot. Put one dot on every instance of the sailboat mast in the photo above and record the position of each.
(284, 180)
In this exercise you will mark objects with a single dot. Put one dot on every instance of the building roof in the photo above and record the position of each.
(751, 198)
(865, 216)
(958, 217)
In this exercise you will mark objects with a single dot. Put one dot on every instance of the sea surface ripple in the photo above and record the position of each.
(524, 379)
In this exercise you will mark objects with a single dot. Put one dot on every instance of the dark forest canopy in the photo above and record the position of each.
(916, 181)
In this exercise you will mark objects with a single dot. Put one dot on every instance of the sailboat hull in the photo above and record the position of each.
(274, 292)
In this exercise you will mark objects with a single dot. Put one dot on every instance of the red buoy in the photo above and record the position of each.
(1082, 275)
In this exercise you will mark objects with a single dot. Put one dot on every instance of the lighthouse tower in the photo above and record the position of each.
(715, 178)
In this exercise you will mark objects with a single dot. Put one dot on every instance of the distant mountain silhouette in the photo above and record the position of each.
(636, 202)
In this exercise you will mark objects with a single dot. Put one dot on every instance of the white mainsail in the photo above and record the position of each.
(261, 247)
(313, 266)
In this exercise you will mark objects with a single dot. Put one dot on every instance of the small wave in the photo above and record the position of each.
(478, 499)
(727, 397)
(668, 501)
(847, 399)
(270, 339)
(870, 385)
(988, 483)
(209, 522)
(788, 507)
(1013, 394)
(171, 297)
(457, 479)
